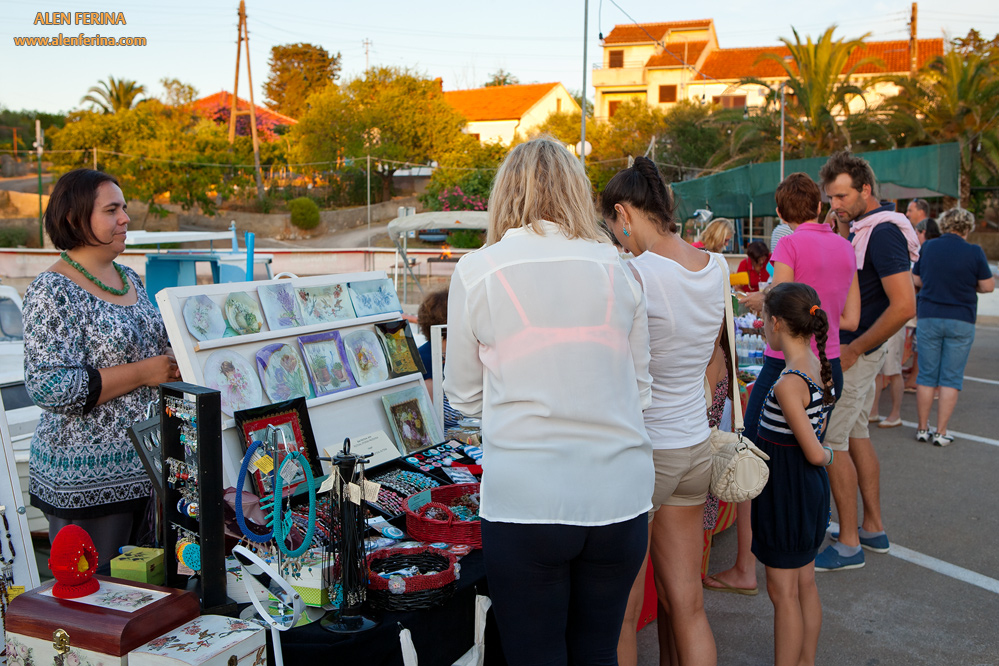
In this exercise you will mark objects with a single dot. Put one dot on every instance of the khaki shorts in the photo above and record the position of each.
(894, 347)
(849, 418)
(682, 476)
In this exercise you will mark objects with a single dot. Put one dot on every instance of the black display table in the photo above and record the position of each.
(441, 635)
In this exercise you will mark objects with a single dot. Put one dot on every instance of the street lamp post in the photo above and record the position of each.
(782, 86)
(582, 124)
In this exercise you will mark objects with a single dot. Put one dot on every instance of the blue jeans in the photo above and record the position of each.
(772, 367)
(943, 346)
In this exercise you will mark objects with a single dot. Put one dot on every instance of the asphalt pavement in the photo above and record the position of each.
(934, 599)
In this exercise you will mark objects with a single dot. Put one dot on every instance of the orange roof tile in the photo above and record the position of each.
(729, 64)
(676, 53)
(635, 33)
(224, 99)
(497, 102)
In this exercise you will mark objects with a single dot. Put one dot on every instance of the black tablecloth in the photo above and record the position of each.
(441, 635)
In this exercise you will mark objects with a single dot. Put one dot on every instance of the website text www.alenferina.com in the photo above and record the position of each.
(79, 18)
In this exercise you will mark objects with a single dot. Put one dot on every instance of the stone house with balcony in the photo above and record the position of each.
(498, 113)
(663, 63)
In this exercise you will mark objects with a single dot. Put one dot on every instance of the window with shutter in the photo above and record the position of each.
(612, 108)
(667, 94)
(615, 59)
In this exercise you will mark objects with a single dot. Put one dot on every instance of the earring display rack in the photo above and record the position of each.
(200, 459)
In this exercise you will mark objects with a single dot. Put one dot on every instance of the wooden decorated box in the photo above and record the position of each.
(99, 629)
(210, 640)
(142, 565)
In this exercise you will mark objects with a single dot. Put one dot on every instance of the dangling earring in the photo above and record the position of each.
(625, 232)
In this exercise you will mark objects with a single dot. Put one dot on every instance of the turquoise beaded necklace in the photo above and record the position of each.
(86, 274)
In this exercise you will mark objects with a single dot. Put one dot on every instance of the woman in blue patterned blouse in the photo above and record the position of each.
(94, 350)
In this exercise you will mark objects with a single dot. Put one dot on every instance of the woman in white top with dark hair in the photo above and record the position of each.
(548, 342)
(684, 290)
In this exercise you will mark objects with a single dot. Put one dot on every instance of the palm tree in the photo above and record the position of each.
(954, 98)
(113, 95)
(819, 90)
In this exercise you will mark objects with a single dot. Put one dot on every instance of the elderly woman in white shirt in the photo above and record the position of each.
(548, 342)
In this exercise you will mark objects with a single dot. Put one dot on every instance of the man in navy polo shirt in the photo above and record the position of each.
(881, 240)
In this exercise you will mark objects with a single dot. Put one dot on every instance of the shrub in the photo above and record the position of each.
(466, 239)
(304, 213)
(13, 236)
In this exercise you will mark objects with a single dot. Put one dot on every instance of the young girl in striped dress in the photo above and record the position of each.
(789, 517)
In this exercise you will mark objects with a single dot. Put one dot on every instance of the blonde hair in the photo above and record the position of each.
(541, 180)
(714, 234)
(956, 221)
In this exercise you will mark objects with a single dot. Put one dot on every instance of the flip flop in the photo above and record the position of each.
(888, 424)
(909, 389)
(725, 587)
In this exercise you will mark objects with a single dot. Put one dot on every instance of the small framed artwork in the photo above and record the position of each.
(282, 372)
(400, 348)
(294, 433)
(373, 297)
(280, 305)
(324, 304)
(412, 420)
(326, 360)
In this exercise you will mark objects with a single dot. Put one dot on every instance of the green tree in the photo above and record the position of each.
(297, 71)
(955, 97)
(24, 122)
(501, 77)
(395, 115)
(820, 87)
(113, 95)
(687, 140)
(159, 151)
(177, 93)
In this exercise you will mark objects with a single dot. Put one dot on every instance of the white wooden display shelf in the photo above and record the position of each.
(350, 413)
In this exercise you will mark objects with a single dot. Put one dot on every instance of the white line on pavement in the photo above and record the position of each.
(959, 435)
(984, 381)
(945, 568)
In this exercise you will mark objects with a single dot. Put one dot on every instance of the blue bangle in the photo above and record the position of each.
(830, 456)
(252, 536)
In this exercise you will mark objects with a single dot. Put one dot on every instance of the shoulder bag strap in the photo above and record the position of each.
(730, 327)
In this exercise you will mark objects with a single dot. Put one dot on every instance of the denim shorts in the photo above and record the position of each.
(943, 346)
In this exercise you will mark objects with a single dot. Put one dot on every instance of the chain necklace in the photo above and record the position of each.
(86, 274)
(7, 568)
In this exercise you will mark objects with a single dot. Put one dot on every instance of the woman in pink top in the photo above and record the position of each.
(817, 256)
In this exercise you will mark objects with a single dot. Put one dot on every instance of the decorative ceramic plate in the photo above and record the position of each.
(365, 356)
(400, 347)
(243, 313)
(324, 304)
(282, 372)
(280, 305)
(235, 377)
(326, 359)
(204, 318)
(373, 297)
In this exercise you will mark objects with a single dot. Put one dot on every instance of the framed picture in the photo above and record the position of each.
(366, 358)
(400, 348)
(294, 433)
(412, 420)
(283, 373)
(373, 297)
(326, 360)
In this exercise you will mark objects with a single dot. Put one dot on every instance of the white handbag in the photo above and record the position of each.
(738, 468)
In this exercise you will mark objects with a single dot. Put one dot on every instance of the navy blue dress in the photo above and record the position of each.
(791, 514)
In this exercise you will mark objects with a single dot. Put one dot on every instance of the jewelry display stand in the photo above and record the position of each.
(202, 466)
(18, 567)
(353, 412)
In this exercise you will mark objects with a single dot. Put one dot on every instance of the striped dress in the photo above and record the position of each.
(791, 514)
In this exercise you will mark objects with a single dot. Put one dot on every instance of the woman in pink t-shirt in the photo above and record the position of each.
(817, 256)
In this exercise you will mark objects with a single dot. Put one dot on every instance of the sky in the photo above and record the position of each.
(461, 42)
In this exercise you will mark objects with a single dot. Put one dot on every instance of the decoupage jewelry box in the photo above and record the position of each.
(210, 640)
(99, 629)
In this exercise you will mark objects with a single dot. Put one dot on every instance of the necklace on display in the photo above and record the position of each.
(7, 568)
(87, 274)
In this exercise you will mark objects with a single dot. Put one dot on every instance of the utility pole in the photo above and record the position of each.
(95, 158)
(582, 124)
(913, 42)
(367, 47)
(244, 38)
(39, 144)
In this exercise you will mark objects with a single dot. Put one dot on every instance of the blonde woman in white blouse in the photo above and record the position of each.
(548, 342)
